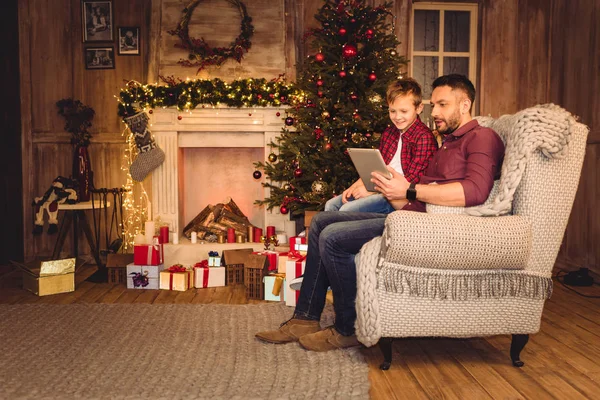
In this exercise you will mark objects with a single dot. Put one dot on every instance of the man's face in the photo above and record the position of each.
(403, 111)
(446, 105)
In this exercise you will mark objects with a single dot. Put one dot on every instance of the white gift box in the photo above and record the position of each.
(294, 267)
(209, 277)
(151, 272)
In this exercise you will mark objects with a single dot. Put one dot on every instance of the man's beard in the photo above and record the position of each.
(452, 124)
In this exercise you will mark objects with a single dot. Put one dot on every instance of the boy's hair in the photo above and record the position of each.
(456, 81)
(404, 87)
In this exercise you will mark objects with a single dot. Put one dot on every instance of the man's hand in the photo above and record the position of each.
(392, 189)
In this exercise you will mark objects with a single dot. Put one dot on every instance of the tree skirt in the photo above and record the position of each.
(175, 351)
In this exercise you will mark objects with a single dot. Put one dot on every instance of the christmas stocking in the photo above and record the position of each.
(150, 155)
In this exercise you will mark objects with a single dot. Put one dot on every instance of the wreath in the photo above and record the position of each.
(201, 54)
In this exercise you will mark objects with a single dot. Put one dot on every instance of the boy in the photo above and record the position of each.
(406, 146)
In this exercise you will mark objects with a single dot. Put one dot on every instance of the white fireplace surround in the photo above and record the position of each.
(209, 127)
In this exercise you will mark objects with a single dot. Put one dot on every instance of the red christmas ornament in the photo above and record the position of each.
(372, 76)
(150, 111)
(342, 74)
(349, 51)
(298, 172)
(289, 121)
(179, 117)
(353, 96)
(283, 210)
(369, 34)
(249, 114)
(342, 31)
(318, 133)
(256, 174)
(320, 94)
(353, 20)
(278, 113)
(328, 147)
(319, 82)
(319, 57)
(271, 95)
(259, 96)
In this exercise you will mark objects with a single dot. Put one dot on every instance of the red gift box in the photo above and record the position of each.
(294, 240)
(272, 258)
(148, 254)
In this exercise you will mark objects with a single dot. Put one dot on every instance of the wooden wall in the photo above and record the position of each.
(52, 68)
(540, 51)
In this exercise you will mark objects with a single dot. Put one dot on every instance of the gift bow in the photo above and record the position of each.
(201, 264)
(177, 268)
(140, 279)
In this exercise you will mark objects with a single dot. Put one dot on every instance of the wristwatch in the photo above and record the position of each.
(411, 192)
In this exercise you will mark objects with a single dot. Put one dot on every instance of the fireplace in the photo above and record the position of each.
(209, 155)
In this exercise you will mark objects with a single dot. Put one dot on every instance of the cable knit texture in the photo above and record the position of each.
(461, 276)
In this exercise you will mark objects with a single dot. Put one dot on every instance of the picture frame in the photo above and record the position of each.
(97, 20)
(100, 57)
(129, 40)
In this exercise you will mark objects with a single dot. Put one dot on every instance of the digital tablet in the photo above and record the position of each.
(367, 161)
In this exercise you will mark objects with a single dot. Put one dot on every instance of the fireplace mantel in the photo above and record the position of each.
(209, 127)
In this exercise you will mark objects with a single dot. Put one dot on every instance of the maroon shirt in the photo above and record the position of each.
(471, 155)
(418, 146)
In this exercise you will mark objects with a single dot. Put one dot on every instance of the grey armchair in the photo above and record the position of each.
(479, 271)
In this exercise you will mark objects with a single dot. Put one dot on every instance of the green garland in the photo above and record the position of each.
(201, 54)
(189, 94)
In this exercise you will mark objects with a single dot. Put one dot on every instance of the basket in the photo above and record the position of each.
(255, 269)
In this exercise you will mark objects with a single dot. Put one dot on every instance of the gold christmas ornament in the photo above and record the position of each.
(325, 114)
(356, 137)
(319, 186)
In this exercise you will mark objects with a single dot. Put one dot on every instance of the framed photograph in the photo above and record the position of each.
(129, 40)
(97, 20)
(99, 57)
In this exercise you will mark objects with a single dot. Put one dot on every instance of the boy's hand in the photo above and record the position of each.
(392, 189)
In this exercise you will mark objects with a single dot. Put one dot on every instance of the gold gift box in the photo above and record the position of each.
(182, 281)
(48, 277)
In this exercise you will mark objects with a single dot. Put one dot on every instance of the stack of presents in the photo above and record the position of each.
(265, 274)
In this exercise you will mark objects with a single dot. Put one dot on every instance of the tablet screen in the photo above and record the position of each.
(366, 161)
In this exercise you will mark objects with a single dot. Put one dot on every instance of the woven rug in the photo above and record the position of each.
(176, 351)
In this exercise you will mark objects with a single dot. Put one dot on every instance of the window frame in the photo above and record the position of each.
(473, 8)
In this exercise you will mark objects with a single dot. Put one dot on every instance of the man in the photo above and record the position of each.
(464, 169)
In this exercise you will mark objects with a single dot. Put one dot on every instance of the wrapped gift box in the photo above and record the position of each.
(272, 258)
(48, 277)
(295, 243)
(274, 287)
(294, 267)
(214, 261)
(143, 276)
(205, 276)
(148, 254)
(177, 278)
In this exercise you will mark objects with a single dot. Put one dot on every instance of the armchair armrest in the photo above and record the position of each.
(461, 242)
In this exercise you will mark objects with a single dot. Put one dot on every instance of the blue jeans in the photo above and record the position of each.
(333, 241)
(375, 203)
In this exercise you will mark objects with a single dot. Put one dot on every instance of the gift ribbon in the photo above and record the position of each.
(278, 284)
(298, 273)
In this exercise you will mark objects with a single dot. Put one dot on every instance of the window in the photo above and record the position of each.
(443, 41)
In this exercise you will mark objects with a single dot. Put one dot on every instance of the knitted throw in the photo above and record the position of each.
(546, 127)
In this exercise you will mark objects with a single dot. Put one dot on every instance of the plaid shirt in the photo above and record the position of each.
(418, 146)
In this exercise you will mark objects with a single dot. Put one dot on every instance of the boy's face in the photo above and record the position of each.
(403, 111)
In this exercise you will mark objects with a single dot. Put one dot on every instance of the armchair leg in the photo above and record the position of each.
(385, 344)
(517, 344)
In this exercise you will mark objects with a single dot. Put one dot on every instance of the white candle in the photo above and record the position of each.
(175, 239)
(194, 237)
(149, 231)
(149, 211)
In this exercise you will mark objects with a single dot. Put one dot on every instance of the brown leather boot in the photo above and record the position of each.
(289, 331)
(328, 339)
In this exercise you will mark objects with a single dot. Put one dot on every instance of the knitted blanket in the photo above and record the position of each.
(545, 127)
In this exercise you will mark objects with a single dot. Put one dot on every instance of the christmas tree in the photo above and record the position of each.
(344, 82)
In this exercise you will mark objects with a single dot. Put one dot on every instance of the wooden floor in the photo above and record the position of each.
(562, 361)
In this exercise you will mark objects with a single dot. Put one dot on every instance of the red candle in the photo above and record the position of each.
(164, 234)
(270, 231)
(230, 235)
(257, 234)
